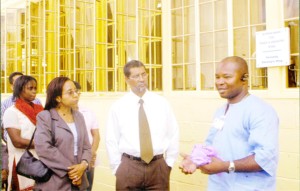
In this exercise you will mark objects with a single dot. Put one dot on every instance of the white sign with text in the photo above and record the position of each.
(273, 48)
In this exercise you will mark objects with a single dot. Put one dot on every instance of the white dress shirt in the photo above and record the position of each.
(122, 131)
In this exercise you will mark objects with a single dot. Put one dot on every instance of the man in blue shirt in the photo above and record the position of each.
(244, 134)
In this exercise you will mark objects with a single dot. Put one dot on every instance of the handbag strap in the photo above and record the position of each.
(52, 134)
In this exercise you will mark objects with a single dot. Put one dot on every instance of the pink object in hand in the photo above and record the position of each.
(201, 154)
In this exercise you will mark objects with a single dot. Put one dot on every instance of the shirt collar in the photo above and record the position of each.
(137, 98)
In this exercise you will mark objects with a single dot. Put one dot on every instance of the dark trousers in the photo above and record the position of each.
(135, 174)
(90, 177)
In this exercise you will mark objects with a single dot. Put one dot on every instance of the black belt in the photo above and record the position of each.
(140, 159)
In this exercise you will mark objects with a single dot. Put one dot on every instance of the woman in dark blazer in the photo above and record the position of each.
(70, 155)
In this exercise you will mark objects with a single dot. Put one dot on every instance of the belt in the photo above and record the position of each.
(140, 159)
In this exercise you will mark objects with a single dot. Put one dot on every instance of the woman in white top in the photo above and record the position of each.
(19, 120)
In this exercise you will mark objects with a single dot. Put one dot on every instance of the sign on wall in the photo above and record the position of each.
(273, 48)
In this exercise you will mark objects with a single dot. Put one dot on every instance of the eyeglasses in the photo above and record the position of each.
(136, 77)
(72, 92)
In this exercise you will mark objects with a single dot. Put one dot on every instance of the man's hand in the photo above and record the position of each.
(187, 166)
(216, 166)
(4, 175)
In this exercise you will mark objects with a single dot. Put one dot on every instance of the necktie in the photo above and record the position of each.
(145, 135)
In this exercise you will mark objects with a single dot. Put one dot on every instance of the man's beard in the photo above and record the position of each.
(142, 89)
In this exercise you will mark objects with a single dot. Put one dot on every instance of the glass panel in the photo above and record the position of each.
(221, 45)
(241, 42)
(110, 10)
(206, 47)
(177, 50)
(143, 22)
(259, 76)
(189, 20)
(10, 51)
(293, 68)
(240, 12)
(255, 29)
(207, 76)
(183, 46)
(258, 11)
(206, 17)
(130, 7)
(131, 51)
(188, 2)
(156, 50)
(177, 78)
(110, 63)
(155, 24)
(144, 49)
(110, 34)
(189, 49)
(190, 77)
(177, 22)
(156, 79)
(220, 14)
(89, 15)
(104, 85)
(291, 15)
(131, 34)
(150, 43)
(176, 3)
(291, 8)
(155, 5)
(120, 79)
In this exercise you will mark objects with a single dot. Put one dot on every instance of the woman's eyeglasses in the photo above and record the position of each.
(72, 92)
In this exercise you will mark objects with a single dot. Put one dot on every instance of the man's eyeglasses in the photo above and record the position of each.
(72, 92)
(136, 77)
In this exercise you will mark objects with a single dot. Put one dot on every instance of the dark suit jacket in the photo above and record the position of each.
(60, 156)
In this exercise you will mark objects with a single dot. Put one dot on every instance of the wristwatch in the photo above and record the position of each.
(231, 167)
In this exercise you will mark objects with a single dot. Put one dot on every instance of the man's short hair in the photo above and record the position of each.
(132, 64)
(12, 75)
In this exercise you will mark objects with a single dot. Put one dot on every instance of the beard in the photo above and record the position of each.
(140, 89)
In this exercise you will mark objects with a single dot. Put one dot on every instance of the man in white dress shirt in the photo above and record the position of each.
(123, 141)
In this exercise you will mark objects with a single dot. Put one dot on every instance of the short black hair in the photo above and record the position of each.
(12, 75)
(132, 64)
(20, 84)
